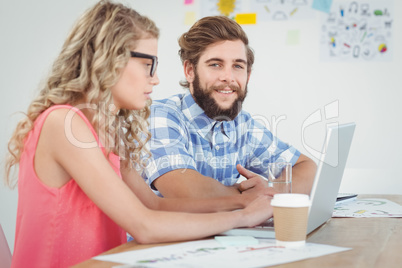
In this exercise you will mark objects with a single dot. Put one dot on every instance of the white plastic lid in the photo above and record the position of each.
(290, 200)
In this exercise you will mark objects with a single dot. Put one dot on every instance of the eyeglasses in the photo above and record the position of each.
(147, 56)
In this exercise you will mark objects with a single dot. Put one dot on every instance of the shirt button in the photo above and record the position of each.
(217, 147)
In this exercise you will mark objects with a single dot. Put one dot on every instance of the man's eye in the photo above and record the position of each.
(239, 66)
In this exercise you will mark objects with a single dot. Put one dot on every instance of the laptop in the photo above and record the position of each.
(326, 183)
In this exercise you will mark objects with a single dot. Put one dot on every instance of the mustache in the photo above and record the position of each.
(222, 87)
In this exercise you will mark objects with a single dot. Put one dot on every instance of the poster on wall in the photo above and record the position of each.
(228, 8)
(265, 10)
(279, 10)
(357, 31)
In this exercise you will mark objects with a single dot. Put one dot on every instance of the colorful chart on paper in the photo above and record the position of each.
(210, 253)
(372, 207)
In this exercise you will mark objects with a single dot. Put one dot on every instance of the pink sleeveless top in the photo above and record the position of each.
(58, 227)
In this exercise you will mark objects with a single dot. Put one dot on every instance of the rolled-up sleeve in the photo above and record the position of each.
(169, 143)
(264, 148)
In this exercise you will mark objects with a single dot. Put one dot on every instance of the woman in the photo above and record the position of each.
(78, 191)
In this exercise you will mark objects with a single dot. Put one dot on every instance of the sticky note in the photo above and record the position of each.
(246, 18)
(188, 2)
(293, 37)
(237, 240)
(322, 5)
(189, 18)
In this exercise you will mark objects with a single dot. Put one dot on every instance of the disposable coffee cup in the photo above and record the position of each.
(290, 219)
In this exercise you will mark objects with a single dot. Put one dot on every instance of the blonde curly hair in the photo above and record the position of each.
(89, 64)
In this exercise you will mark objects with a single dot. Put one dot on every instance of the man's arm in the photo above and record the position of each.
(188, 183)
(181, 183)
(303, 173)
(201, 205)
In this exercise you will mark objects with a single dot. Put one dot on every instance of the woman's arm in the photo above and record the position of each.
(93, 173)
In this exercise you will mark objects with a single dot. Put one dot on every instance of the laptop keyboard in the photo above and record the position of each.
(264, 230)
(266, 224)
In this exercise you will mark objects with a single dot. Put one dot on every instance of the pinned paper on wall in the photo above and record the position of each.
(188, 2)
(189, 18)
(322, 5)
(246, 18)
(355, 31)
(293, 37)
(282, 10)
(228, 8)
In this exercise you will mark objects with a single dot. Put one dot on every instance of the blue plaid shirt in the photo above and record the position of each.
(184, 137)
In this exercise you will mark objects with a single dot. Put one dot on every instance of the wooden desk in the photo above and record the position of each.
(375, 242)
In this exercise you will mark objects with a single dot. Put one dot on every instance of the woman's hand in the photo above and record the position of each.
(258, 211)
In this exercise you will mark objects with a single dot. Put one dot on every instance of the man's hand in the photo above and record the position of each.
(255, 184)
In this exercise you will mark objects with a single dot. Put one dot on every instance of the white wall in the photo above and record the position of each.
(287, 81)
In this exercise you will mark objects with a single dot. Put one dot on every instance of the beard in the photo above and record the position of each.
(203, 97)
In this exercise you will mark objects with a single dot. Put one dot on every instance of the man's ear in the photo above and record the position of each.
(248, 76)
(189, 71)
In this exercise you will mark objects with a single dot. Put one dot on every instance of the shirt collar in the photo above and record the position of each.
(201, 122)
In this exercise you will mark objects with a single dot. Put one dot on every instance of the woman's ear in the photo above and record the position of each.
(189, 71)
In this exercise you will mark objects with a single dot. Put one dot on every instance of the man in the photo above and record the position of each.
(202, 141)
